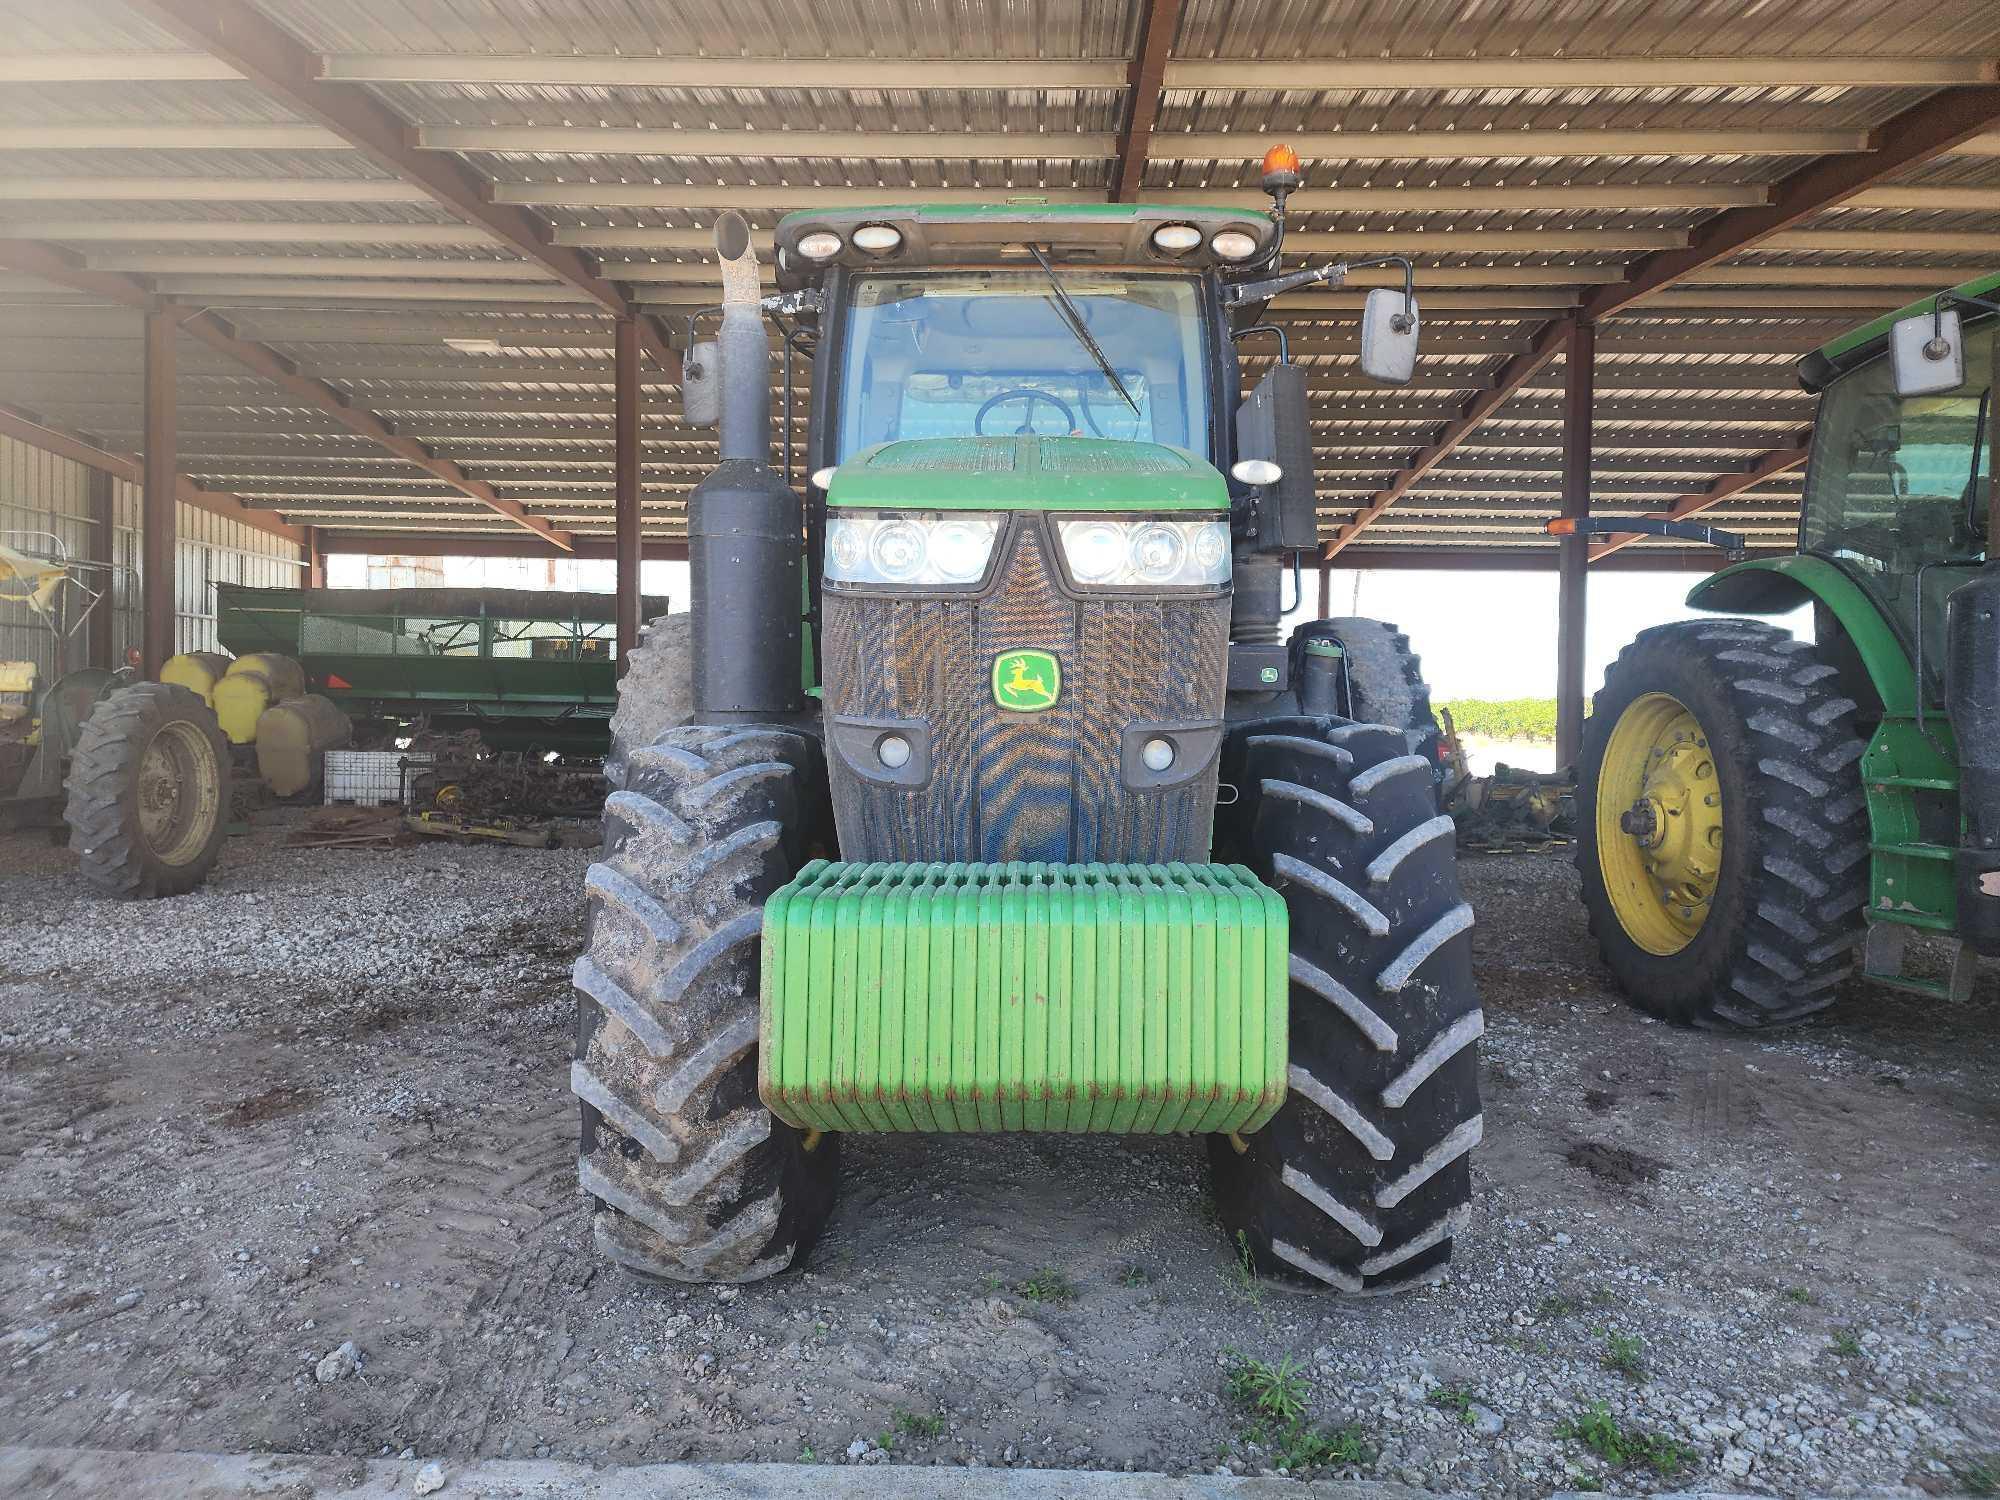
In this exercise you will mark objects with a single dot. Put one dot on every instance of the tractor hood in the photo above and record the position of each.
(1028, 473)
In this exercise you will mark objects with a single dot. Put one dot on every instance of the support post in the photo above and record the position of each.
(101, 633)
(1573, 552)
(315, 560)
(625, 442)
(1325, 589)
(158, 496)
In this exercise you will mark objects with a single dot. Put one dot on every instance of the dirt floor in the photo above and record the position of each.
(323, 1103)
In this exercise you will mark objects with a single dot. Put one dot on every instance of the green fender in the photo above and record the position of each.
(1776, 586)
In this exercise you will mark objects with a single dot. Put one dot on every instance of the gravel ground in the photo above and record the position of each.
(287, 1165)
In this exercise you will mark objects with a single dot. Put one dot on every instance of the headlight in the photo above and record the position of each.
(910, 550)
(1146, 554)
(1233, 244)
(878, 239)
(821, 244)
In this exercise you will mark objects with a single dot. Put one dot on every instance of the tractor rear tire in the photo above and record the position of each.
(1361, 1179)
(149, 793)
(1385, 678)
(1784, 918)
(693, 1179)
(656, 692)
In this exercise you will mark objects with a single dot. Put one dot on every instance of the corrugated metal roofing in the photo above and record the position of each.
(129, 155)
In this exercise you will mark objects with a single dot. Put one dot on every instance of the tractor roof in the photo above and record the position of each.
(1840, 355)
(966, 234)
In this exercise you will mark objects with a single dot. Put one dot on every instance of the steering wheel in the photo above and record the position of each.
(1030, 395)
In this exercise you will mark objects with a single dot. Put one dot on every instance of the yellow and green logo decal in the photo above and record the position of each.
(1026, 681)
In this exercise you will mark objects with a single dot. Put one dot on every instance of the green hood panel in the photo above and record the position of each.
(1028, 473)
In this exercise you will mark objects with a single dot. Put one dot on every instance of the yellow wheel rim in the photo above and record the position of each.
(1659, 823)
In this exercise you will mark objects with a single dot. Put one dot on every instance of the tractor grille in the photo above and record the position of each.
(1011, 786)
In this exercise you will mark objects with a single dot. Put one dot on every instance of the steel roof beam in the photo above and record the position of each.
(37, 432)
(575, 70)
(239, 232)
(55, 265)
(168, 188)
(1307, 75)
(169, 135)
(1919, 134)
(284, 69)
(1724, 487)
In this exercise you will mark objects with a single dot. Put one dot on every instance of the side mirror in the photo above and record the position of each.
(1928, 353)
(701, 385)
(1389, 336)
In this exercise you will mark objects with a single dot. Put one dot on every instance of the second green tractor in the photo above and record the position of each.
(1757, 812)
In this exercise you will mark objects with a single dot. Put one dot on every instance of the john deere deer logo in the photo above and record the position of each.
(1026, 681)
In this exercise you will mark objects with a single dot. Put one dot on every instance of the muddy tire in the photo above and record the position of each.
(1781, 927)
(655, 694)
(149, 792)
(692, 1178)
(1361, 1179)
(1385, 678)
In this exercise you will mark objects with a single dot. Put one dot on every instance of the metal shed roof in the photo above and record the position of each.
(337, 188)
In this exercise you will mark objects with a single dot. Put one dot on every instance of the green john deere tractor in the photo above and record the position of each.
(977, 790)
(1754, 809)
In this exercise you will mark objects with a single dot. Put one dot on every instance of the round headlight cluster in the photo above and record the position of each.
(1176, 239)
(917, 550)
(1146, 554)
(822, 245)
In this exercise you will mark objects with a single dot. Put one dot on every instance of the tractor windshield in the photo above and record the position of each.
(954, 354)
(1898, 487)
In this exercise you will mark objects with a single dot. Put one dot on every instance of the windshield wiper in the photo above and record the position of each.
(1073, 320)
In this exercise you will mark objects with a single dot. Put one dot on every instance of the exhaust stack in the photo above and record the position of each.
(745, 525)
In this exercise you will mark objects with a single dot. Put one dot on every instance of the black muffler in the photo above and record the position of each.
(1972, 697)
(746, 544)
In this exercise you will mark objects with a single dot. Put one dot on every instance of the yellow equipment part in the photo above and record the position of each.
(30, 579)
(197, 671)
(292, 741)
(241, 699)
(1659, 823)
(17, 689)
(286, 676)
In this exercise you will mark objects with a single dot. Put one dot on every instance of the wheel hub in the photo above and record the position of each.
(1660, 823)
(1682, 843)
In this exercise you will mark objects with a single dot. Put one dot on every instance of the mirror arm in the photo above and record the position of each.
(1284, 344)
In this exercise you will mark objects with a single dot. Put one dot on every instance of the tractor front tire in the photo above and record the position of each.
(1361, 1179)
(693, 1179)
(1760, 723)
(148, 789)
(655, 692)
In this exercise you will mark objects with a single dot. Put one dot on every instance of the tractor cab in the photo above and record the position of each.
(1898, 490)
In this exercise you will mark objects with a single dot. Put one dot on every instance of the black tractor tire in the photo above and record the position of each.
(656, 692)
(1362, 1178)
(1385, 678)
(692, 1178)
(1786, 916)
(148, 793)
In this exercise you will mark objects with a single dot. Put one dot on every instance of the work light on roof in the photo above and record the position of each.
(1176, 239)
(878, 239)
(1233, 244)
(820, 245)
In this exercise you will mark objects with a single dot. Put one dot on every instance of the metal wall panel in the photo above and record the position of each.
(43, 497)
